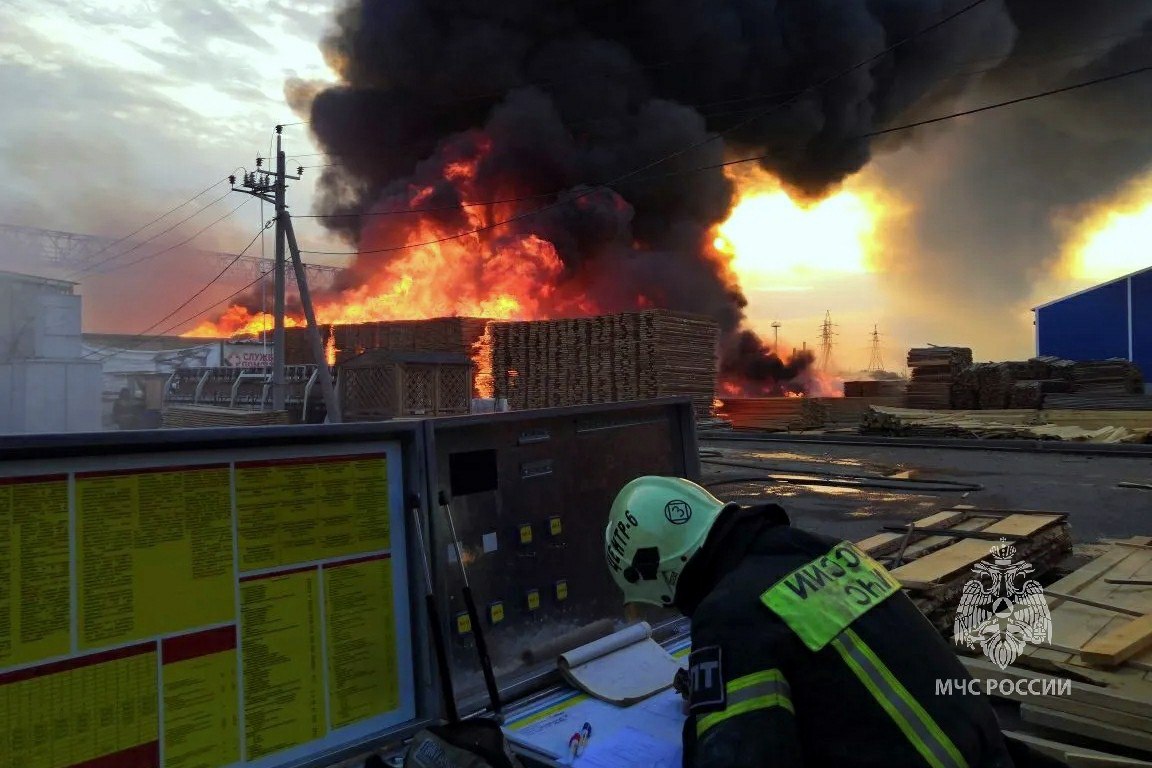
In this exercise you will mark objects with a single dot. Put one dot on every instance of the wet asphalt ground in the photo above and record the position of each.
(1084, 487)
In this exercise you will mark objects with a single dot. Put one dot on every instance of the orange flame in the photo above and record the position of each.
(485, 383)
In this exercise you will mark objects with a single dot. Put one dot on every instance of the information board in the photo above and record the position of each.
(203, 610)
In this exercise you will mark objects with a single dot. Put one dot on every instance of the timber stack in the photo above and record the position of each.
(452, 335)
(934, 371)
(1091, 680)
(203, 416)
(933, 558)
(875, 388)
(1106, 377)
(766, 414)
(608, 358)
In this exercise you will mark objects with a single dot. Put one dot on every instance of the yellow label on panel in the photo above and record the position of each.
(363, 669)
(496, 612)
(201, 713)
(303, 510)
(555, 526)
(35, 615)
(463, 624)
(154, 553)
(562, 590)
(281, 653)
(533, 599)
(99, 707)
(526, 534)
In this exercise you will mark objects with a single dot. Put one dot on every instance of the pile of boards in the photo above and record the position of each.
(1019, 424)
(1090, 402)
(875, 388)
(188, 416)
(933, 557)
(769, 414)
(934, 369)
(607, 358)
(788, 414)
(452, 335)
(1036, 382)
(1101, 641)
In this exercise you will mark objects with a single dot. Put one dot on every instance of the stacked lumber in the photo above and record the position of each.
(1019, 424)
(1089, 402)
(189, 416)
(769, 414)
(909, 422)
(933, 557)
(604, 359)
(994, 385)
(838, 412)
(1106, 377)
(875, 388)
(453, 335)
(934, 370)
(966, 389)
(1101, 642)
(1026, 394)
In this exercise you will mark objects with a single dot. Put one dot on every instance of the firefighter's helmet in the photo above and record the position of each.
(655, 526)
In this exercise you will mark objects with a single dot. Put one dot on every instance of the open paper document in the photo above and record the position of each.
(623, 668)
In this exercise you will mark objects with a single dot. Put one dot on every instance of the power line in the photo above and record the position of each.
(182, 243)
(164, 215)
(192, 298)
(695, 145)
(91, 267)
(713, 166)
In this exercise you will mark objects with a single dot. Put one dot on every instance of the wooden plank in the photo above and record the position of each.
(1070, 753)
(945, 562)
(1059, 597)
(926, 545)
(1084, 726)
(880, 542)
(1120, 644)
(1121, 699)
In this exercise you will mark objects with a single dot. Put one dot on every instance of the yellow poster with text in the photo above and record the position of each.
(35, 608)
(201, 713)
(154, 553)
(281, 653)
(363, 675)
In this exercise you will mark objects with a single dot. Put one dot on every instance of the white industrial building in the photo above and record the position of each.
(46, 382)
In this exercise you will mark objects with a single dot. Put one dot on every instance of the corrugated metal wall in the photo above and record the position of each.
(1142, 323)
(1088, 326)
(1110, 320)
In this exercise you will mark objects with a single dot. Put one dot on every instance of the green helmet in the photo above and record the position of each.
(655, 526)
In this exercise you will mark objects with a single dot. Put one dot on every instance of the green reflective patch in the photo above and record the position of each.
(819, 600)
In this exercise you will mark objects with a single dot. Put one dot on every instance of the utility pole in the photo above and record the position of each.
(776, 337)
(273, 190)
(826, 335)
(278, 351)
(875, 361)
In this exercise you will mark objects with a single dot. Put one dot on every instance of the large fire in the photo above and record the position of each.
(772, 238)
(1112, 238)
(425, 270)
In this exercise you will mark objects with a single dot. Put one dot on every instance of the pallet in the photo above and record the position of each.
(1110, 697)
(933, 558)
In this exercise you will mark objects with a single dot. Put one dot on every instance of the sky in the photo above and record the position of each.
(119, 110)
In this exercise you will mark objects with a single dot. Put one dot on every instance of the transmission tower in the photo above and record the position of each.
(776, 337)
(875, 362)
(826, 334)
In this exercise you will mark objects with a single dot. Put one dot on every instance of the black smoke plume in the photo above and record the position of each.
(565, 95)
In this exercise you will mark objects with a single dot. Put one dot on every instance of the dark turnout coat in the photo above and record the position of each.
(805, 652)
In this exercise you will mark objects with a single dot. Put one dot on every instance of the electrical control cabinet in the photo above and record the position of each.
(529, 494)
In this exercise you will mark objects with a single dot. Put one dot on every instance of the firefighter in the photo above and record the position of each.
(805, 651)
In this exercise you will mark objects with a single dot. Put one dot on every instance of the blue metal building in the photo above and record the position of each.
(1113, 319)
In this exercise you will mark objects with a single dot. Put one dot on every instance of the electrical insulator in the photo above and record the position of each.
(300, 171)
(259, 162)
(232, 180)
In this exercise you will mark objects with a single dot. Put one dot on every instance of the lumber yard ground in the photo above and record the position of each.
(1085, 486)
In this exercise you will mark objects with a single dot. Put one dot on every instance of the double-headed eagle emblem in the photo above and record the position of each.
(1001, 610)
